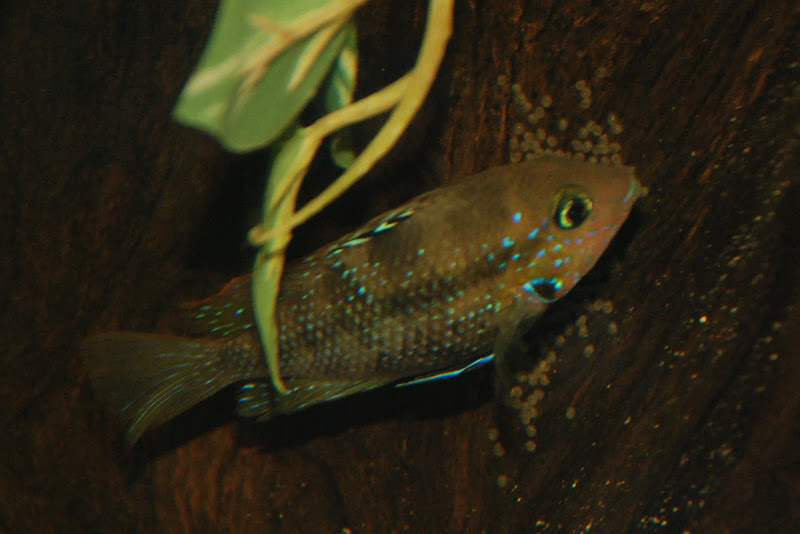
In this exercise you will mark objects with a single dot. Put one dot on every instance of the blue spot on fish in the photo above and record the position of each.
(354, 242)
(382, 227)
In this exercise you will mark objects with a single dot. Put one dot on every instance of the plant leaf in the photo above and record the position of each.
(339, 89)
(244, 94)
(288, 169)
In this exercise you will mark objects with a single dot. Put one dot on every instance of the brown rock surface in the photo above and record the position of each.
(683, 416)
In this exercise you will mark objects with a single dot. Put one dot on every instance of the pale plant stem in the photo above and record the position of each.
(313, 51)
(416, 84)
(370, 106)
(285, 35)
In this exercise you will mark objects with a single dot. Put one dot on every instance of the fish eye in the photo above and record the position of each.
(572, 209)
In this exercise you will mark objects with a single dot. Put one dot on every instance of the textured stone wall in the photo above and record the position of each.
(667, 402)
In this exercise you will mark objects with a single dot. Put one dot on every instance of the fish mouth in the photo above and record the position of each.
(635, 191)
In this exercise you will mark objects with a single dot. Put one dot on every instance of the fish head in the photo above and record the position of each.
(575, 207)
(524, 233)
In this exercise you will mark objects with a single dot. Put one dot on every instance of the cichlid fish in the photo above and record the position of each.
(425, 291)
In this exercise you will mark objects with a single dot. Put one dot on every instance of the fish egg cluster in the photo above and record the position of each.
(530, 391)
(586, 94)
(543, 130)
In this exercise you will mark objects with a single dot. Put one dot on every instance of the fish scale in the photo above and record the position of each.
(432, 288)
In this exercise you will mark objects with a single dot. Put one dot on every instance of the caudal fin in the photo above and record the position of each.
(149, 379)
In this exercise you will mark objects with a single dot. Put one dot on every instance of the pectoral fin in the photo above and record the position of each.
(512, 356)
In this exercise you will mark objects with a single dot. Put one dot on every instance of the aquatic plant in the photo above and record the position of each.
(263, 64)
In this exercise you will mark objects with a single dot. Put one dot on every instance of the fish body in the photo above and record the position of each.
(422, 292)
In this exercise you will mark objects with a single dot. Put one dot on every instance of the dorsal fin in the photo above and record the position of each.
(230, 311)
(372, 228)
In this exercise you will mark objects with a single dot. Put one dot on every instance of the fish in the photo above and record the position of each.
(427, 291)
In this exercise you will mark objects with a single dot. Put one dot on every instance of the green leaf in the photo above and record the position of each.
(279, 205)
(341, 83)
(339, 89)
(243, 95)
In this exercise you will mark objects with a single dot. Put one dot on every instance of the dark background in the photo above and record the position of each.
(686, 418)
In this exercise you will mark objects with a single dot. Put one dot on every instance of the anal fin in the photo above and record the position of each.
(256, 400)
(261, 401)
(450, 373)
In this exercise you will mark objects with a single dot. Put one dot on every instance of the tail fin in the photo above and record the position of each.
(149, 379)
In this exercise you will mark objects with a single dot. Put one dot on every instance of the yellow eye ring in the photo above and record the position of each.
(572, 209)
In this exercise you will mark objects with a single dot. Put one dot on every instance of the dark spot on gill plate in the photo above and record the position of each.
(544, 288)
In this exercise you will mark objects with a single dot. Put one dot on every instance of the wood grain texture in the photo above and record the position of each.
(684, 412)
